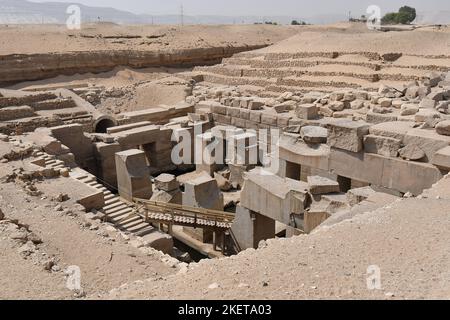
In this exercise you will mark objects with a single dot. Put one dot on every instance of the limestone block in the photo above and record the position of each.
(322, 185)
(256, 104)
(347, 135)
(443, 128)
(269, 119)
(427, 103)
(393, 173)
(237, 174)
(376, 118)
(166, 182)
(441, 158)
(412, 152)
(393, 129)
(355, 196)
(255, 116)
(306, 111)
(244, 114)
(426, 114)
(295, 151)
(409, 109)
(281, 199)
(133, 177)
(174, 196)
(219, 118)
(233, 112)
(314, 134)
(427, 140)
(203, 192)
(283, 120)
(159, 240)
(384, 146)
(219, 108)
(315, 217)
(250, 228)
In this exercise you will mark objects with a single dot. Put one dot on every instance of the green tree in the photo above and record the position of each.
(405, 15)
(408, 14)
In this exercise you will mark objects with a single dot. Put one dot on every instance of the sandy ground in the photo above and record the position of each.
(124, 89)
(348, 37)
(107, 36)
(105, 259)
(407, 240)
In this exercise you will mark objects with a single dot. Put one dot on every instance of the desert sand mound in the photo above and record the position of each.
(29, 38)
(429, 41)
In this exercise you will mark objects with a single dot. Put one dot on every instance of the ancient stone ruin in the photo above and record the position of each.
(265, 145)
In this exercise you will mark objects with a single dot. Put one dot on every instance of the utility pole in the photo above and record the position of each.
(181, 15)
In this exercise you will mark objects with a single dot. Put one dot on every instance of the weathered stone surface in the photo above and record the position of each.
(269, 119)
(297, 151)
(427, 104)
(347, 135)
(337, 106)
(426, 114)
(394, 129)
(443, 128)
(376, 118)
(174, 196)
(427, 140)
(392, 173)
(203, 192)
(409, 109)
(442, 158)
(384, 146)
(250, 228)
(133, 177)
(322, 185)
(223, 183)
(306, 111)
(355, 196)
(385, 102)
(166, 182)
(411, 152)
(314, 134)
(159, 240)
(281, 199)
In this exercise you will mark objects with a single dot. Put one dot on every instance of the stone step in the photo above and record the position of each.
(130, 223)
(118, 215)
(110, 196)
(114, 205)
(116, 209)
(139, 227)
(111, 201)
(144, 231)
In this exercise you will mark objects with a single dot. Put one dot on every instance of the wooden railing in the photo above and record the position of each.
(178, 213)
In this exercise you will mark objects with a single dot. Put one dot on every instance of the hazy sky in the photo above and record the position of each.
(301, 8)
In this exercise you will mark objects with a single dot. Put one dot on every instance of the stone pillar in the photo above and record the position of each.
(133, 179)
(250, 228)
(202, 192)
(205, 153)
